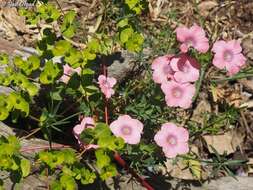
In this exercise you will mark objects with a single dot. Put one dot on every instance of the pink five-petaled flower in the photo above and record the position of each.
(106, 84)
(67, 72)
(178, 94)
(172, 139)
(228, 55)
(186, 68)
(87, 122)
(127, 128)
(192, 37)
(162, 70)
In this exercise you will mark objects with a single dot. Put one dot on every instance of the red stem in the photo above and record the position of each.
(122, 162)
(106, 111)
(117, 157)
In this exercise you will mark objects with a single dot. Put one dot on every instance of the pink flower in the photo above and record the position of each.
(162, 69)
(228, 55)
(192, 37)
(172, 139)
(186, 68)
(67, 72)
(106, 84)
(127, 128)
(87, 122)
(177, 94)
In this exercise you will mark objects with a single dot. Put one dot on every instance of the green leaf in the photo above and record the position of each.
(50, 72)
(33, 63)
(68, 182)
(126, 34)
(49, 12)
(4, 113)
(122, 23)
(5, 103)
(109, 171)
(32, 89)
(19, 62)
(56, 185)
(69, 17)
(134, 44)
(103, 159)
(61, 48)
(131, 3)
(102, 129)
(68, 28)
(19, 103)
(74, 58)
(5, 80)
(25, 167)
(87, 177)
(4, 59)
(88, 136)
(69, 32)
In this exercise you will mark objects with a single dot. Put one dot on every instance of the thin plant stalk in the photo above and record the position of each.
(117, 156)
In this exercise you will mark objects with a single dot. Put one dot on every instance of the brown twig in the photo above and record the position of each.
(31, 134)
(45, 147)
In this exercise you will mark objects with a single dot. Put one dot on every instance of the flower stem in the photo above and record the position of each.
(200, 81)
(117, 156)
(233, 78)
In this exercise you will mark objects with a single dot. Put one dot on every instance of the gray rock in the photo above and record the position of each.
(228, 183)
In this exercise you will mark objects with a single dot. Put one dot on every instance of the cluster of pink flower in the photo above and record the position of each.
(176, 73)
(171, 138)
(106, 84)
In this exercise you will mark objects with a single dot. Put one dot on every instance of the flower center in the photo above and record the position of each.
(126, 130)
(172, 140)
(189, 41)
(186, 68)
(177, 92)
(228, 56)
(167, 69)
(106, 84)
(69, 72)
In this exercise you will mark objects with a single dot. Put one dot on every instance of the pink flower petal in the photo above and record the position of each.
(172, 139)
(228, 55)
(177, 94)
(235, 46)
(87, 122)
(161, 69)
(106, 84)
(218, 47)
(127, 128)
(219, 62)
(170, 152)
(239, 60)
(182, 148)
(192, 37)
(67, 72)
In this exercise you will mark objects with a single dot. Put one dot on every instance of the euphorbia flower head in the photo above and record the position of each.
(178, 94)
(127, 128)
(162, 70)
(172, 139)
(86, 123)
(228, 55)
(67, 72)
(186, 68)
(192, 37)
(106, 84)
